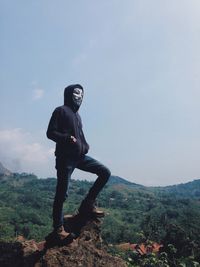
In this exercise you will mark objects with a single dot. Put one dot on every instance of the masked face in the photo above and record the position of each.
(77, 96)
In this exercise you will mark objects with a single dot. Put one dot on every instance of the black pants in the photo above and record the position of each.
(65, 168)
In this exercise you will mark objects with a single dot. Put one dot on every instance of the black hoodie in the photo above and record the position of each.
(66, 122)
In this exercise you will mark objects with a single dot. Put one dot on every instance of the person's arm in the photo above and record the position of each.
(53, 129)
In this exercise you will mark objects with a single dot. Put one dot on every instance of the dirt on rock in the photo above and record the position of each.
(86, 250)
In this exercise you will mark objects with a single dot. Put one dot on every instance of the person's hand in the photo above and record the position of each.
(73, 139)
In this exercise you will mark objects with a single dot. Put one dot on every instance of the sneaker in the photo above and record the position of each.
(96, 212)
(61, 233)
(88, 208)
(70, 217)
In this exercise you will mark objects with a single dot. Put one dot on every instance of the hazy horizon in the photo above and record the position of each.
(76, 177)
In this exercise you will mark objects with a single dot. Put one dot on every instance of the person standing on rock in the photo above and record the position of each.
(65, 128)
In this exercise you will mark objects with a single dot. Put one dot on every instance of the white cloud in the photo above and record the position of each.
(20, 152)
(38, 93)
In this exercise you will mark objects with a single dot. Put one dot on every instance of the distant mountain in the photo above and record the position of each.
(186, 190)
(4, 171)
(113, 180)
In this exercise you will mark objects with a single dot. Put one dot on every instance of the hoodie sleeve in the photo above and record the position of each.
(53, 132)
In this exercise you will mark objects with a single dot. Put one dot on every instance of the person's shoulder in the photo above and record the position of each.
(59, 109)
(63, 110)
(56, 109)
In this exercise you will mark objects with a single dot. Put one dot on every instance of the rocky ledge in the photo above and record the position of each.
(86, 250)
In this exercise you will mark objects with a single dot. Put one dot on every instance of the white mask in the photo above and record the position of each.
(77, 96)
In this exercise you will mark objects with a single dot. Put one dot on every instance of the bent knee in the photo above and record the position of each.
(105, 172)
(108, 172)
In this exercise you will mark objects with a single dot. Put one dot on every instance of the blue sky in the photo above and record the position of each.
(139, 62)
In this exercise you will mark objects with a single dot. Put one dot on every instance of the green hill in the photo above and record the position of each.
(26, 203)
(187, 190)
(119, 180)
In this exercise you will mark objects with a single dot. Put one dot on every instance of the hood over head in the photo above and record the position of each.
(73, 96)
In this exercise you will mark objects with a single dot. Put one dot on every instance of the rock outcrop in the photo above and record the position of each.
(86, 250)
